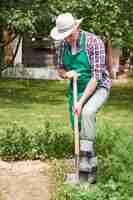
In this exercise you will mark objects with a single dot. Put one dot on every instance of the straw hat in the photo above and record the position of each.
(65, 24)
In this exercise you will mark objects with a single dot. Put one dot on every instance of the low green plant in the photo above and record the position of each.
(51, 143)
(17, 143)
(114, 147)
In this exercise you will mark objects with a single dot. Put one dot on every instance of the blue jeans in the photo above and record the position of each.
(88, 115)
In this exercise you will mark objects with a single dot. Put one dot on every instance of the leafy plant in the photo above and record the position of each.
(115, 165)
(17, 143)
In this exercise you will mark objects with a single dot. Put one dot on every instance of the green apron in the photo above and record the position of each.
(78, 62)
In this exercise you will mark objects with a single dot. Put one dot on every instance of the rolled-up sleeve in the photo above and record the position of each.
(97, 58)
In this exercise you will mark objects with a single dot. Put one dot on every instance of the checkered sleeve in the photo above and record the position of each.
(97, 57)
(60, 56)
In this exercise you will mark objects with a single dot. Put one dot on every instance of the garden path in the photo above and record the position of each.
(25, 180)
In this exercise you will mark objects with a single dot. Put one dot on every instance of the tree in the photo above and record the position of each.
(18, 17)
(112, 19)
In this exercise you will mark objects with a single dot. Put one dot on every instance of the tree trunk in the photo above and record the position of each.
(1, 51)
(8, 51)
(109, 58)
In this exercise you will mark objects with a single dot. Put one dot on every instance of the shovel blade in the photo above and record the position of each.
(73, 179)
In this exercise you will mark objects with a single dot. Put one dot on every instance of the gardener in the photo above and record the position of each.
(83, 53)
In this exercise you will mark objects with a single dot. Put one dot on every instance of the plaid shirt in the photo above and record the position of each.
(95, 50)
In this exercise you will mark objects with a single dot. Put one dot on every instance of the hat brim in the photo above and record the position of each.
(56, 35)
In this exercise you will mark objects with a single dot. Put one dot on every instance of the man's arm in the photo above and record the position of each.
(88, 91)
(97, 60)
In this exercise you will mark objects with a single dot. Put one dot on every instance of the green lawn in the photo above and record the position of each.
(118, 110)
(32, 102)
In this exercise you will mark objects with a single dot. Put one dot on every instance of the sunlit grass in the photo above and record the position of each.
(32, 102)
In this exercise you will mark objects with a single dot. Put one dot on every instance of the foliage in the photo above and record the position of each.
(111, 19)
(17, 143)
(25, 16)
(115, 165)
(16, 15)
(108, 19)
(14, 143)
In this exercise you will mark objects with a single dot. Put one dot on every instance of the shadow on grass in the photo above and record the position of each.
(121, 97)
(31, 91)
(49, 92)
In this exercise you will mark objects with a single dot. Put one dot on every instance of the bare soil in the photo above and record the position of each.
(25, 180)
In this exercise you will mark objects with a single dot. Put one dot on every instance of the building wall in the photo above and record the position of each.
(18, 57)
(19, 71)
(35, 59)
(38, 52)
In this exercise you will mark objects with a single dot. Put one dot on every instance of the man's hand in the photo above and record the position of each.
(78, 108)
(71, 74)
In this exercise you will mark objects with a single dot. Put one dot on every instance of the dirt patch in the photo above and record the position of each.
(25, 180)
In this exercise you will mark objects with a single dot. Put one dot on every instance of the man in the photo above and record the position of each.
(83, 53)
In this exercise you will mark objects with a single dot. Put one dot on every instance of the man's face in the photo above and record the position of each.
(73, 37)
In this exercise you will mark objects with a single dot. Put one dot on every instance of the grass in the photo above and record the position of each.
(118, 110)
(32, 102)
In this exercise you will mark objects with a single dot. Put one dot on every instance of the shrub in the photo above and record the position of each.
(17, 143)
(51, 143)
